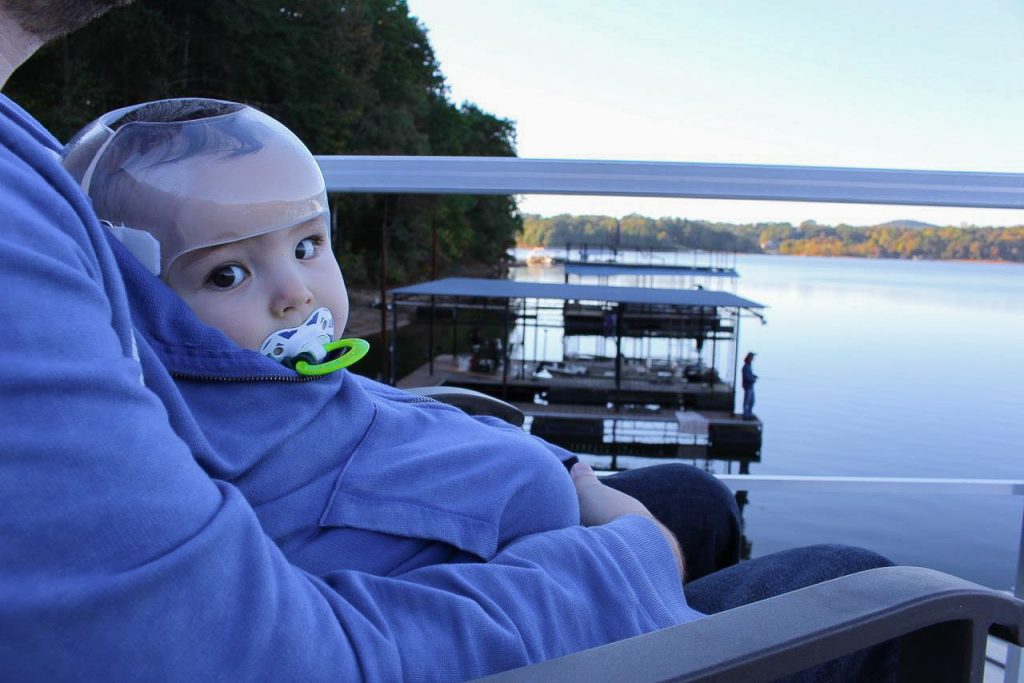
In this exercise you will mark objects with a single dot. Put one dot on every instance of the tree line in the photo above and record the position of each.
(348, 76)
(806, 239)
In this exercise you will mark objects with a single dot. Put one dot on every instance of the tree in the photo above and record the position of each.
(810, 238)
(348, 76)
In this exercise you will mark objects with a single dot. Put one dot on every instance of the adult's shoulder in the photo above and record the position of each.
(12, 114)
(42, 204)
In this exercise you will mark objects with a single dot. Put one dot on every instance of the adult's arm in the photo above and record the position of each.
(600, 504)
(123, 560)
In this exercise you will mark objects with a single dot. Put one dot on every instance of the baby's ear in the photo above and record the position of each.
(140, 243)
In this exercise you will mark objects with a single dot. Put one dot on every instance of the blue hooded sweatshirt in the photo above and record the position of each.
(129, 552)
(345, 472)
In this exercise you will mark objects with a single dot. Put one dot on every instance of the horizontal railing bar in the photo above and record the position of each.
(512, 175)
(767, 482)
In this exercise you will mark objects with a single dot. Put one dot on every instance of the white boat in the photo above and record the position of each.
(566, 369)
(539, 257)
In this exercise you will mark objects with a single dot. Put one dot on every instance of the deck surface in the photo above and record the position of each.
(448, 371)
(636, 429)
(595, 412)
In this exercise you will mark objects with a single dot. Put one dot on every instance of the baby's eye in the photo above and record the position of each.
(307, 248)
(227, 277)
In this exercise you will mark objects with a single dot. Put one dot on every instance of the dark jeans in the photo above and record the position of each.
(702, 513)
(695, 506)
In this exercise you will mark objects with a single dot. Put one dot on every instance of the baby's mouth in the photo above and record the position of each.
(304, 342)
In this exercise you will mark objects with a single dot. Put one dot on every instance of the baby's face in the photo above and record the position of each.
(254, 287)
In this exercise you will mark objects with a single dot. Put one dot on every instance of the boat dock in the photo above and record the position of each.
(610, 428)
(602, 260)
(676, 403)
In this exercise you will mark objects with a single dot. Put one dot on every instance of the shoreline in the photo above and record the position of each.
(775, 253)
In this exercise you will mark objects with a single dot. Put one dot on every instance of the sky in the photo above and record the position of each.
(912, 84)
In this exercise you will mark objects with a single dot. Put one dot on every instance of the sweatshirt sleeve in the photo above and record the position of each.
(123, 560)
(541, 597)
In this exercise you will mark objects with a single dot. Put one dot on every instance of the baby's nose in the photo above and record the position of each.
(292, 294)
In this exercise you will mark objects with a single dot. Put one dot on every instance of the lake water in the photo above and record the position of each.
(887, 368)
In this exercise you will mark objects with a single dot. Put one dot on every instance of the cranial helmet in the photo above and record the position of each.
(195, 173)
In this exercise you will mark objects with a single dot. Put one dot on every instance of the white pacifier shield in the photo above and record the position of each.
(305, 342)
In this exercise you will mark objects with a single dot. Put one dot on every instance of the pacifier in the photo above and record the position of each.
(305, 348)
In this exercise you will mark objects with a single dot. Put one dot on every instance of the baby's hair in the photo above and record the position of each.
(173, 146)
(153, 135)
(175, 111)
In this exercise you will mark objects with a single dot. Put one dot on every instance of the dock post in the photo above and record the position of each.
(393, 371)
(506, 355)
(536, 333)
(430, 338)
(383, 274)
(433, 276)
(735, 360)
(522, 363)
(455, 332)
(621, 313)
(565, 268)
(1013, 673)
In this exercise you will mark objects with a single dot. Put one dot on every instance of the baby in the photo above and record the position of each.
(230, 209)
(222, 241)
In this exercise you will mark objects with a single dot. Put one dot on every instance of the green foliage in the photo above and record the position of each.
(971, 243)
(807, 239)
(348, 76)
(634, 231)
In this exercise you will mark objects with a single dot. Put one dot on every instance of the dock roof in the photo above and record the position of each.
(578, 268)
(511, 289)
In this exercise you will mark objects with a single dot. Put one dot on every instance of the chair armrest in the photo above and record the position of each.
(791, 632)
(473, 402)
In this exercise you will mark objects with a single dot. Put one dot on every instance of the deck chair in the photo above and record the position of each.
(473, 402)
(940, 622)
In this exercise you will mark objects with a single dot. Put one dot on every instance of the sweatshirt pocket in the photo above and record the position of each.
(412, 477)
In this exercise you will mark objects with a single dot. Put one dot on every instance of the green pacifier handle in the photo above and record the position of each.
(357, 348)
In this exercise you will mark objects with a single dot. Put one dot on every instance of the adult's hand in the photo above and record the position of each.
(600, 504)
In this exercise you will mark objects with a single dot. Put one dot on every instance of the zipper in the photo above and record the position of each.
(261, 378)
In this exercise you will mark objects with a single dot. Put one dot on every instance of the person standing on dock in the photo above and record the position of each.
(749, 378)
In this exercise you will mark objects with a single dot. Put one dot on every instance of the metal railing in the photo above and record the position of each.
(985, 487)
(505, 175)
(511, 175)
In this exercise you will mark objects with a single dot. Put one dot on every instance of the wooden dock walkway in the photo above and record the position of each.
(596, 412)
(522, 384)
(603, 427)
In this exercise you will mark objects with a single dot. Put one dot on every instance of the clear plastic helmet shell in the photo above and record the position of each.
(306, 342)
(197, 182)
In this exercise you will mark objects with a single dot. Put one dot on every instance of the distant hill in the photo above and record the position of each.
(906, 223)
(895, 239)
